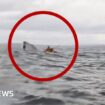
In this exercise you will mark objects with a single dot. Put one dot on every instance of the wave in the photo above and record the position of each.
(32, 100)
(70, 79)
(53, 66)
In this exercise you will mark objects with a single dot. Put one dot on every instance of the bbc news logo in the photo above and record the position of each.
(6, 93)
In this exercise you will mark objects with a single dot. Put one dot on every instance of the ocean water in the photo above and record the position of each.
(84, 84)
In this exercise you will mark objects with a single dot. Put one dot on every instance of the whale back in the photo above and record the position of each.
(29, 47)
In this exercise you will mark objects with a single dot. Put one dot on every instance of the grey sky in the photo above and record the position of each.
(87, 17)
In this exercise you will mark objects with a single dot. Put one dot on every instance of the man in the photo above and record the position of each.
(48, 49)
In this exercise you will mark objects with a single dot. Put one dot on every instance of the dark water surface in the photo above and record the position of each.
(83, 85)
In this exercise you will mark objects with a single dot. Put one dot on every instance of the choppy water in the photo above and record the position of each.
(83, 85)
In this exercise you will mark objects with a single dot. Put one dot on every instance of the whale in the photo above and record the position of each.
(28, 47)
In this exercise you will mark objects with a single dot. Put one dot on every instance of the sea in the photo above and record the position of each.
(84, 84)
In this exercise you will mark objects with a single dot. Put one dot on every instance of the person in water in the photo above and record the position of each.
(49, 49)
